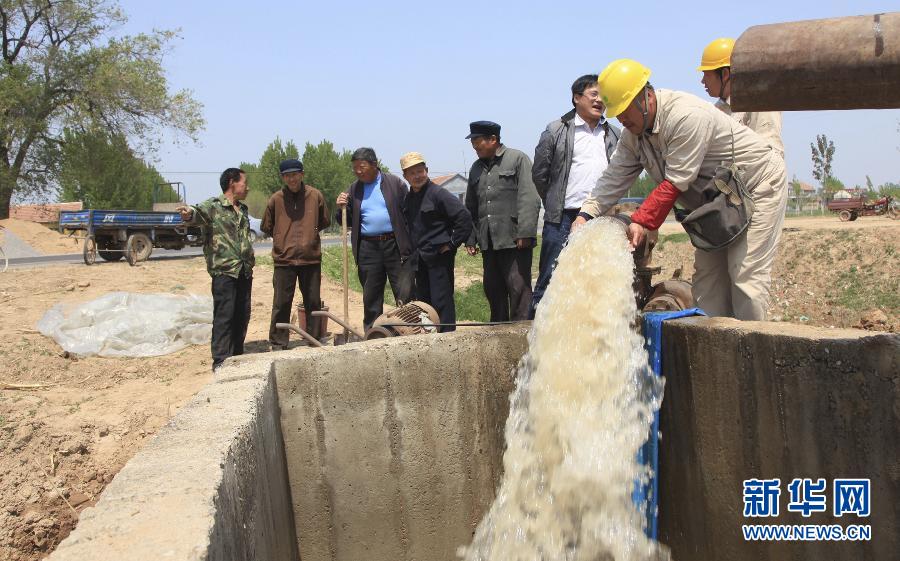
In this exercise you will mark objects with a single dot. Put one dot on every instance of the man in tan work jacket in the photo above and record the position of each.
(716, 67)
(680, 140)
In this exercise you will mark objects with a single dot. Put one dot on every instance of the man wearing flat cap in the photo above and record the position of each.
(294, 217)
(504, 205)
(378, 233)
(438, 224)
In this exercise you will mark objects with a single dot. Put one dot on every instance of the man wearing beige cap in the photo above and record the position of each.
(438, 224)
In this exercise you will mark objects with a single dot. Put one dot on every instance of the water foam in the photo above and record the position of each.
(582, 408)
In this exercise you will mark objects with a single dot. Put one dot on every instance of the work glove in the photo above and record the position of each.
(653, 211)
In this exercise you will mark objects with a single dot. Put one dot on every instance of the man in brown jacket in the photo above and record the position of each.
(294, 217)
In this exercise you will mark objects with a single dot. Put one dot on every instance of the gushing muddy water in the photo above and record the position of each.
(581, 409)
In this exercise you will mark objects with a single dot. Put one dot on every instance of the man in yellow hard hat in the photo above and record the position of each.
(716, 67)
(682, 142)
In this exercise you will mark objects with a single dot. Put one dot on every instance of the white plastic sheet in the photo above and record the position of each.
(128, 324)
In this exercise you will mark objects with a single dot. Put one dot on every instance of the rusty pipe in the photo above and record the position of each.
(309, 338)
(839, 63)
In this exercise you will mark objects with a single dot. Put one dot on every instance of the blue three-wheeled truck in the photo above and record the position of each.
(132, 234)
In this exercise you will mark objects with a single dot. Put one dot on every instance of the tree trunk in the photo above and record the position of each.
(7, 182)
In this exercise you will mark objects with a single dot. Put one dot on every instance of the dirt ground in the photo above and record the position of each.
(61, 443)
(48, 242)
(827, 273)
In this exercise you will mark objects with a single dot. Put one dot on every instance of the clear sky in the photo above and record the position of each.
(401, 76)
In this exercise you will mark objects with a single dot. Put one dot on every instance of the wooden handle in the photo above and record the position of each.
(346, 269)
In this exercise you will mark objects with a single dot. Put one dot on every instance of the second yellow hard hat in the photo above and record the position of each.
(717, 54)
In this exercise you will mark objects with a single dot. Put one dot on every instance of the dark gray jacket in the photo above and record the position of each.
(553, 159)
(502, 200)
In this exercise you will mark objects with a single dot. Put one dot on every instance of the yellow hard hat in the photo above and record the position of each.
(620, 82)
(717, 54)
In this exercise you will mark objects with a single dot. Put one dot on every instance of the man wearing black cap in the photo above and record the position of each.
(504, 205)
(294, 217)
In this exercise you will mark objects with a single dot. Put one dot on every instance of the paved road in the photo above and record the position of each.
(14, 247)
(158, 254)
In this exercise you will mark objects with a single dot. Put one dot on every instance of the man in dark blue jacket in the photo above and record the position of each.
(438, 224)
(378, 233)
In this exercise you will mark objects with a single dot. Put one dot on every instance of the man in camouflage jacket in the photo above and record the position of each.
(229, 261)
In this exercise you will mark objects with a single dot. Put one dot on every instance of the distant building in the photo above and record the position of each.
(453, 182)
(42, 213)
(806, 199)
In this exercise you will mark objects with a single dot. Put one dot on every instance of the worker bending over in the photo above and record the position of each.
(684, 144)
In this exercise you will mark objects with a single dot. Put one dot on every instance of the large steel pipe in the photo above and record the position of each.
(840, 63)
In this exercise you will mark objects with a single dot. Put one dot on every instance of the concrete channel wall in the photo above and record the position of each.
(397, 456)
(210, 486)
(770, 400)
(392, 450)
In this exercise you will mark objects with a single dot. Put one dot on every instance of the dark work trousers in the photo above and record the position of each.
(507, 283)
(434, 285)
(231, 314)
(284, 280)
(553, 239)
(378, 261)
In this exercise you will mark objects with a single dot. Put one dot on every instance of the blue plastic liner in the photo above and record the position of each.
(648, 495)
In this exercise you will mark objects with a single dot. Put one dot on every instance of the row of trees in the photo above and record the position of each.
(822, 157)
(103, 171)
(325, 168)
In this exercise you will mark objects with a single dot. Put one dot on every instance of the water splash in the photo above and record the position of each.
(582, 408)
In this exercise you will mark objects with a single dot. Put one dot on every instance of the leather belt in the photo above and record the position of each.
(379, 237)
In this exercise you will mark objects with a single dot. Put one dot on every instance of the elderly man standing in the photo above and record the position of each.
(229, 261)
(570, 156)
(504, 205)
(716, 67)
(691, 150)
(379, 234)
(294, 217)
(438, 224)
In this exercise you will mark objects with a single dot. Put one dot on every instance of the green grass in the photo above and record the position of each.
(680, 237)
(857, 290)
(471, 303)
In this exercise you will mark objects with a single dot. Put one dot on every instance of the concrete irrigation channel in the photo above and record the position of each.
(391, 450)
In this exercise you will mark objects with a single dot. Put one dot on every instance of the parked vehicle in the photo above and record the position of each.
(256, 233)
(132, 234)
(851, 209)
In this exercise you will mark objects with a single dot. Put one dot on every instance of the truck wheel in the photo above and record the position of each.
(138, 248)
(853, 216)
(90, 250)
(844, 215)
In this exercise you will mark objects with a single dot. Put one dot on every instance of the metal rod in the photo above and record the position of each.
(309, 338)
(339, 321)
(466, 324)
(346, 322)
